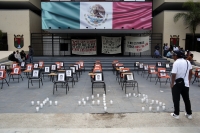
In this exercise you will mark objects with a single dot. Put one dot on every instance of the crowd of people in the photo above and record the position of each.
(169, 50)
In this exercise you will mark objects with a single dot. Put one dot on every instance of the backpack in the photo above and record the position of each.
(10, 56)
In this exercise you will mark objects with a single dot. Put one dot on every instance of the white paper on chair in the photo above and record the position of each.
(3, 67)
(22, 64)
(1, 74)
(35, 65)
(98, 77)
(125, 70)
(162, 73)
(198, 73)
(68, 73)
(29, 68)
(35, 73)
(152, 70)
(141, 65)
(16, 70)
(46, 69)
(61, 77)
(145, 67)
(40, 64)
(159, 64)
(167, 65)
(136, 63)
(129, 76)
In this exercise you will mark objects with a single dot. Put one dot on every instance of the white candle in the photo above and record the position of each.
(142, 100)
(37, 109)
(105, 108)
(83, 99)
(41, 105)
(139, 95)
(84, 102)
(150, 108)
(47, 99)
(97, 95)
(104, 104)
(92, 96)
(129, 94)
(87, 98)
(56, 103)
(38, 102)
(111, 102)
(147, 100)
(163, 107)
(32, 102)
(143, 108)
(156, 101)
(98, 102)
(160, 103)
(126, 95)
(93, 102)
(50, 102)
(158, 108)
(163, 104)
(79, 102)
(152, 101)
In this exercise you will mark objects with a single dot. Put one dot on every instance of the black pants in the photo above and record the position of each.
(184, 92)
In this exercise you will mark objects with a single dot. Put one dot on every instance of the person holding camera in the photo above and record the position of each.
(181, 76)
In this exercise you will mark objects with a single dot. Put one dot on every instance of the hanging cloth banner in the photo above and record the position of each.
(111, 45)
(136, 44)
(84, 47)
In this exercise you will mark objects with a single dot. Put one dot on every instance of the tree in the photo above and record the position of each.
(191, 18)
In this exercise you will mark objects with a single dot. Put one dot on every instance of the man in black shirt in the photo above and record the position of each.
(11, 57)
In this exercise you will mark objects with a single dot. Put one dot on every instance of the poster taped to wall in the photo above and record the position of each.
(111, 45)
(84, 47)
(136, 44)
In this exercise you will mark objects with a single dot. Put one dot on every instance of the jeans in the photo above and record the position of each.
(184, 92)
(31, 59)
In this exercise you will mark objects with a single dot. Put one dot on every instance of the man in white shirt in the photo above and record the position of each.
(181, 69)
(175, 48)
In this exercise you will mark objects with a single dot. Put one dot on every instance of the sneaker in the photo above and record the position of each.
(175, 116)
(188, 116)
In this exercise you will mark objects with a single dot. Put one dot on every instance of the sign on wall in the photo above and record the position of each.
(18, 41)
(111, 45)
(136, 44)
(84, 47)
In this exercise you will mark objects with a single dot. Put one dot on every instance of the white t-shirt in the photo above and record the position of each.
(180, 67)
(176, 49)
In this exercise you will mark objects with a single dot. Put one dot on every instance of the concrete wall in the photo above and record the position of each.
(15, 22)
(19, 22)
(164, 23)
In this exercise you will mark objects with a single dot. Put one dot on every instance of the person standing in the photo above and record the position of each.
(166, 49)
(181, 76)
(30, 54)
(23, 55)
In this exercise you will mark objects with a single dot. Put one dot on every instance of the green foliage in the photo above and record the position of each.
(192, 17)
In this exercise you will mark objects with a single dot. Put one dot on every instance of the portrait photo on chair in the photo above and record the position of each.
(73, 69)
(29, 67)
(146, 67)
(159, 63)
(40, 64)
(1, 74)
(53, 67)
(76, 67)
(68, 73)
(162, 73)
(35, 65)
(141, 65)
(16, 70)
(98, 77)
(46, 69)
(35, 73)
(129, 77)
(3, 67)
(61, 77)
(22, 64)
(167, 65)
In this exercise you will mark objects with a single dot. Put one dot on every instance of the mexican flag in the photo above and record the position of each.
(99, 15)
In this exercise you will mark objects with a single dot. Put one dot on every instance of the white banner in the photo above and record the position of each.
(111, 45)
(136, 44)
(84, 47)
